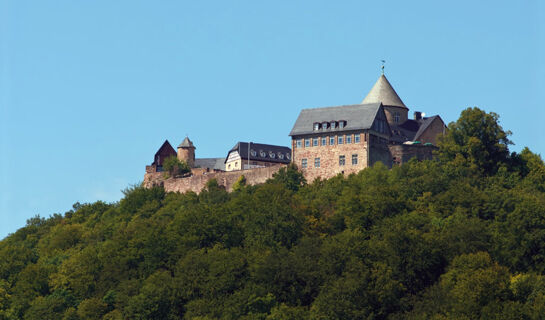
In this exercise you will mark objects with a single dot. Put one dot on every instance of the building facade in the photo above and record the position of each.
(249, 155)
(346, 139)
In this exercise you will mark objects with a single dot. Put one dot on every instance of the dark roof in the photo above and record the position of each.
(186, 143)
(357, 117)
(166, 150)
(281, 154)
(212, 163)
(411, 130)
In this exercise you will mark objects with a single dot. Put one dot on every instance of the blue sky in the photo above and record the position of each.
(89, 90)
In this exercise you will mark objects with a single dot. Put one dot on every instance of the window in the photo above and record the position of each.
(340, 140)
(316, 162)
(253, 153)
(348, 138)
(262, 153)
(288, 156)
(280, 155)
(341, 160)
(324, 141)
(314, 142)
(332, 124)
(307, 143)
(324, 125)
(316, 126)
(272, 155)
(396, 117)
(331, 141)
(357, 138)
(354, 159)
(304, 163)
(298, 143)
(229, 166)
(341, 124)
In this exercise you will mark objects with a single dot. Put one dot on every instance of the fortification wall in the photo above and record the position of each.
(197, 182)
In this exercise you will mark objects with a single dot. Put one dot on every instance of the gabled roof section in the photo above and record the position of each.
(425, 124)
(166, 148)
(281, 154)
(186, 143)
(383, 92)
(357, 117)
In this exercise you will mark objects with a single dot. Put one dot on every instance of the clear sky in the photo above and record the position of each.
(89, 90)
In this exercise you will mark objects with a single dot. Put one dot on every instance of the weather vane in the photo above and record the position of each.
(383, 62)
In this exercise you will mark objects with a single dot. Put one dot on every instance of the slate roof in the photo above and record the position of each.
(411, 130)
(357, 117)
(186, 143)
(212, 163)
(383, 92)
(281, 154)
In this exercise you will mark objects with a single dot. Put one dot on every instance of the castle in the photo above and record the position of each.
(324, 142)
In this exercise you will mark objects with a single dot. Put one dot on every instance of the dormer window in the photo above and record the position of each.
(324, 125)
(272, 155)
(280, 156)
(332, 124)
(262, 154)
(288, 156)
(342, 124)
(316, 126)
(253, 153)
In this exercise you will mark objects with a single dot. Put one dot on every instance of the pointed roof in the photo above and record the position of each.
(186, 143)
(383, 92)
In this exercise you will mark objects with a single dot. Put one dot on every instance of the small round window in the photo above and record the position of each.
(288, 156)
(253, 153)
(272, 155)
(280, 155)
(262, 153)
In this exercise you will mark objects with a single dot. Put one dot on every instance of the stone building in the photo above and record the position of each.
(345, 139)
(186, 152)
(249, 155)
(165, 151)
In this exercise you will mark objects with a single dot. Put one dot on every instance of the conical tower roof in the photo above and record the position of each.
(186, 143)
(383, 92)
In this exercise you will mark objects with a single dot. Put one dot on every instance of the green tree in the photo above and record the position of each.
(478, 138)
(289, 176)
(175, 167)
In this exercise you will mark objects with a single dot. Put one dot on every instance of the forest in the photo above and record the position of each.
(458, 237)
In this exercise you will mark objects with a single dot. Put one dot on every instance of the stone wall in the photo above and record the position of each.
(402, 153)
(329, 157)
(197, 182)
(434, 130)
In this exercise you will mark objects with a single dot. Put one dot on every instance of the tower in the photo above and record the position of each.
(395, 109)
(186, 152)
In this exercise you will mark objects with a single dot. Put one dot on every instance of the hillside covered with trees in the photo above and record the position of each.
(458, 237)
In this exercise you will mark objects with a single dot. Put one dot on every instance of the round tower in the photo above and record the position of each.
(395, 109)
(186, 152)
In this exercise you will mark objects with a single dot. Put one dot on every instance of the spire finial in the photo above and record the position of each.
(382, 67)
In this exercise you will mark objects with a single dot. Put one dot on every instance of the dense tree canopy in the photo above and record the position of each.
(460, 237)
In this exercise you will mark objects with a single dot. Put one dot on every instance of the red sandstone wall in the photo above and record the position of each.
(403, 153)
(196, 183)
(329, 158)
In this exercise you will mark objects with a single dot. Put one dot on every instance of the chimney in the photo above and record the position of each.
(417, 115)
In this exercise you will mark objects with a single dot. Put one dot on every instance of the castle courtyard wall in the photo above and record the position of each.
(197, 182)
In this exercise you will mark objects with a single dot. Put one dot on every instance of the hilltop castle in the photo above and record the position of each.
(324, 142)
